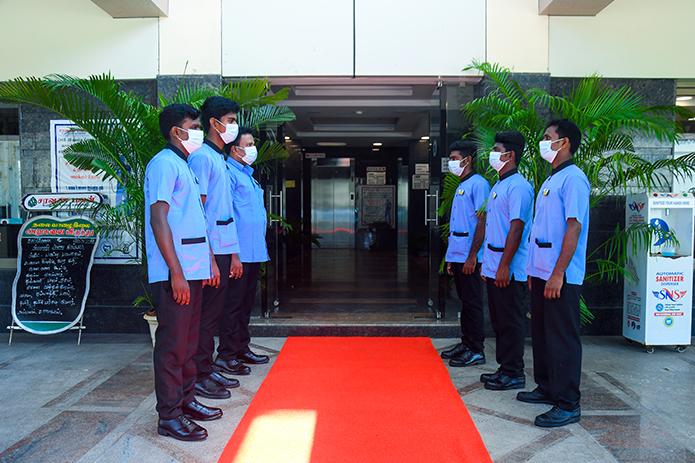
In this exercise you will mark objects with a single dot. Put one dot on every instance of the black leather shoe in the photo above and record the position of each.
(253, 359)
(504, 383)
(182, 428)
(199, 412)
(227, 383)
(558, 417)
(467, 359)
(210, 389)
(458, 350)
(534, 397)
(485, 377)
(232, 367)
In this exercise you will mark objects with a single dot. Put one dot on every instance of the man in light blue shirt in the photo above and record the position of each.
(509, 215)
(179, 264)
(464, 253)
(556, 265)
(219, 116)
(251, 221)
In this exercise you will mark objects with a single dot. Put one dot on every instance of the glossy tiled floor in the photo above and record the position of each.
(95, 403)
(330, 281)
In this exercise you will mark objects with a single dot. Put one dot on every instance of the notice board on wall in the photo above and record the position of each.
(53, 267)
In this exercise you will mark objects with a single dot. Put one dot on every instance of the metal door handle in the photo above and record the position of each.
(427, 215)
(279, 214)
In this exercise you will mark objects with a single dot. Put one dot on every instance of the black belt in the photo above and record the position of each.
(495, 248)
(543, 245)
(193, 240)
(225, 222)
(460, 233)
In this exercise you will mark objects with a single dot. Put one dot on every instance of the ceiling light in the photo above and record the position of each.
(375, 149)
(359, 113)
(377, 143)
(331, 143)
(684, 98)
(425, 138)
(287, 138)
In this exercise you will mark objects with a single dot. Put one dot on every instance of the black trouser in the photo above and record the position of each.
(213, 303)
(176, 341)
(507, 315)
(470, 290)
(234, 322)
(557, 346)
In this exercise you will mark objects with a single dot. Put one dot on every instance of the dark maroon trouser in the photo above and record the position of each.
(234, 322)
(176, 342)
(213, 303)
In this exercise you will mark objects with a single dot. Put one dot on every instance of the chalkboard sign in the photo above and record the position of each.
(54, 261)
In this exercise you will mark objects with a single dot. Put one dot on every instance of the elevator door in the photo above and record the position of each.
(333, 202)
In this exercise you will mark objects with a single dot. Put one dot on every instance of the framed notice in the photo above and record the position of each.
(422, 168)
(119, 248)
(376, 204)
(53, 267)
(421, 181)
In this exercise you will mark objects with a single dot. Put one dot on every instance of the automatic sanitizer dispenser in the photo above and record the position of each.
(657, 307)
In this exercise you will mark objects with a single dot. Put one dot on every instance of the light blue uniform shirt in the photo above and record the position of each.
(169, 179)
(511, 198)
(564, 195)
(249, 212)
(208, 165)
(469, 197)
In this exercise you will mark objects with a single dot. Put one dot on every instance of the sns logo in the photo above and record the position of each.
(635, 206)
(670, 295)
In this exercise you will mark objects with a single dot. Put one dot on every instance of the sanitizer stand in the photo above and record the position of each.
(657, 308)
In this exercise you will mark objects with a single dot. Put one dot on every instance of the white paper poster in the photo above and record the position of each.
(66, 178)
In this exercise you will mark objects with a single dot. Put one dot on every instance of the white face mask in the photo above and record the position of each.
(495, 162)
(195, 140)
(547, 151)
(455, 167)
(229, 135)
(250, 156)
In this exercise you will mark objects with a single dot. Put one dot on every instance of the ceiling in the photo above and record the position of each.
(359, 112)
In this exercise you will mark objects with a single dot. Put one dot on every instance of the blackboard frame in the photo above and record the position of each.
(81, 230)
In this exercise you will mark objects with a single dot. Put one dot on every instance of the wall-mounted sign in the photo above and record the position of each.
(119, 248)
(376, 175)
(59, 201)
(52, 282)
(421, 182)
(315, 155)
(65, 177)
(289, 183)
(376, 204)
(445, 165)
(422, 168)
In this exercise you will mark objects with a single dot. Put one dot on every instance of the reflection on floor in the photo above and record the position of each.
(344, 281)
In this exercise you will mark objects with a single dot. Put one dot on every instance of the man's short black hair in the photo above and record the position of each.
(565, 128)
(512, 141)
(217, 106)
(242, 131)
(465, 147)
(174, 115)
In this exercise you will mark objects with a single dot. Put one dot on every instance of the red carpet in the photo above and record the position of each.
(370, 400)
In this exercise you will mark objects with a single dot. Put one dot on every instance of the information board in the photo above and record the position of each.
(376, 204)
(118, 248)
(52, 283)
